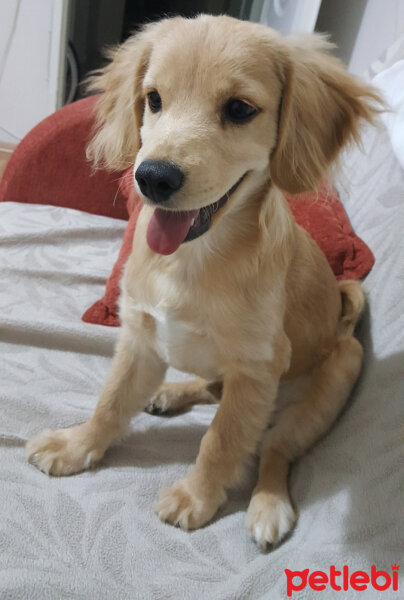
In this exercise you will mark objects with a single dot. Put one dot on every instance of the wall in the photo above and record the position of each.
(382, 24)
(31, 63)
(290, 16)
(362, 29)
(341, 20)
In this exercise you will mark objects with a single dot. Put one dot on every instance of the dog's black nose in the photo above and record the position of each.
(158, 179)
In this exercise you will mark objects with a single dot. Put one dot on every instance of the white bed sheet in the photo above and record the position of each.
(95, 535)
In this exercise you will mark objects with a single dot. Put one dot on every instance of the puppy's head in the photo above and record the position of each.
(200, 106)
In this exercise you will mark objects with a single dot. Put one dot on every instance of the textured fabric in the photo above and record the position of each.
(94, 536)
(49, 166)
(320, 213)
(391, 83)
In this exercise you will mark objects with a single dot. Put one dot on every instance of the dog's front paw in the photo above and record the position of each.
(183, 505)
(270, 518)
(61, 452)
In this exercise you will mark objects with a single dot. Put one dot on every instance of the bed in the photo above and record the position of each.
(95, 535)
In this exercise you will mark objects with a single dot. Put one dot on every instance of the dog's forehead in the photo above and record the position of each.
(211, 53)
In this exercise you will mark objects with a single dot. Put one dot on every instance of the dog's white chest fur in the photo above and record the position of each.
(184, 348)
(182, 342)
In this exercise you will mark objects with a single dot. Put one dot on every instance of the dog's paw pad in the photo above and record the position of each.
(270, 518)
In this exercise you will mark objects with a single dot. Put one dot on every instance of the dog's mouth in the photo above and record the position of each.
(168, 229)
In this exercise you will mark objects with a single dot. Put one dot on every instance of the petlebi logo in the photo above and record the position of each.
(341, 580)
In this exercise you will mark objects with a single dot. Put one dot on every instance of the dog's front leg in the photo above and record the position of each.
(243, 414)
(136, 372)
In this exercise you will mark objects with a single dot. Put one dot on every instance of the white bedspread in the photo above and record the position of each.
(95, 535)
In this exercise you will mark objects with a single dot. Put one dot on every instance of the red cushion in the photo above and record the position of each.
(49, 166)
(320, 213)
(323, 216)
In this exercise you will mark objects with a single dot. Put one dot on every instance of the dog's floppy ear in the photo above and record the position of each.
(119, 109)
(320, 111)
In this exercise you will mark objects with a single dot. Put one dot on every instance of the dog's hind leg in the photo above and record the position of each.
(177, 396)
(296, 427)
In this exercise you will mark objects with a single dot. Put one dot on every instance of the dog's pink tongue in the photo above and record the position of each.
(167, 229)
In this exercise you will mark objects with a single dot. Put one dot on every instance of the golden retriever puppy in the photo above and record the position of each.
(219, 117)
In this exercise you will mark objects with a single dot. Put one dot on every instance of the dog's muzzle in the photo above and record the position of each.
(168, 229)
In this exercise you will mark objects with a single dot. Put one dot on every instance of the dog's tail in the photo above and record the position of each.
(353, 301)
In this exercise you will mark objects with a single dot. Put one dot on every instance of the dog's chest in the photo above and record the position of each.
(184, 347)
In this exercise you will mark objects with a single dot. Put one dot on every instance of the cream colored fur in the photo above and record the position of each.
(250, 304)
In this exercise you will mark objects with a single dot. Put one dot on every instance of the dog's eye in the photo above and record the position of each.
(154, 101)
(238, 111)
